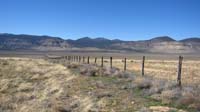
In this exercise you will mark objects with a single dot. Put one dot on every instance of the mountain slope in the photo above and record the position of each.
(89, 42)
(158, 44)
(10, 41)
(162, 39)
(194, 43)
(194, 39)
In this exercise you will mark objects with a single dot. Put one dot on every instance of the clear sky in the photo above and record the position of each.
(122, 19)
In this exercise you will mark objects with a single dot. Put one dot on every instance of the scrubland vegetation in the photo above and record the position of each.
(37, 85)
(161, 68)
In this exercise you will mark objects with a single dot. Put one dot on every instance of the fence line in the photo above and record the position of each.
(78, 59)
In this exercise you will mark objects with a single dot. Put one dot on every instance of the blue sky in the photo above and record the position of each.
(121, 19)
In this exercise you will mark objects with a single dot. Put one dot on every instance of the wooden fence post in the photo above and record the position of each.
(69, 58)
(102, 61)
(74, 58)
(83, 59)
(179, 71)
(79, 59)
(143, 60)
(65, 58)
(95, 60)
(124, 64)
(110, 62)
(88, 60)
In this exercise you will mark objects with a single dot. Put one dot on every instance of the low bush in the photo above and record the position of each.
(142, 83)
(72, 66)
(168, 92)
(168, 96)
(89, 70)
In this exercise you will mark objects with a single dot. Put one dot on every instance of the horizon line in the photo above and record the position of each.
(96, 37)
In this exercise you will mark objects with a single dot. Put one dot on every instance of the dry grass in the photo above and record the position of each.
(158, 88)
(160, 82)
(36, 85)
(161, 69)
(31, 85)
(168, 92)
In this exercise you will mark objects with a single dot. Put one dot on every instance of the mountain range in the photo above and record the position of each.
(45, 43)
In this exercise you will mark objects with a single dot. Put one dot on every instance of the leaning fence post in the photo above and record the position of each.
(143, 60)
(102, 61)
(124, 64)
(110, 62)
(95, 60)
(88, 60)
(179, 71)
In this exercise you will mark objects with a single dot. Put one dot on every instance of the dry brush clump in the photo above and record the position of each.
(142, 83)
(94, 70)
(168, 92)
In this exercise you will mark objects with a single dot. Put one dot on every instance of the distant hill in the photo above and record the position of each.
(157, 44)
(162, 39)
(194, 39)
(89, 42)
(194, 42)
(11, 41)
